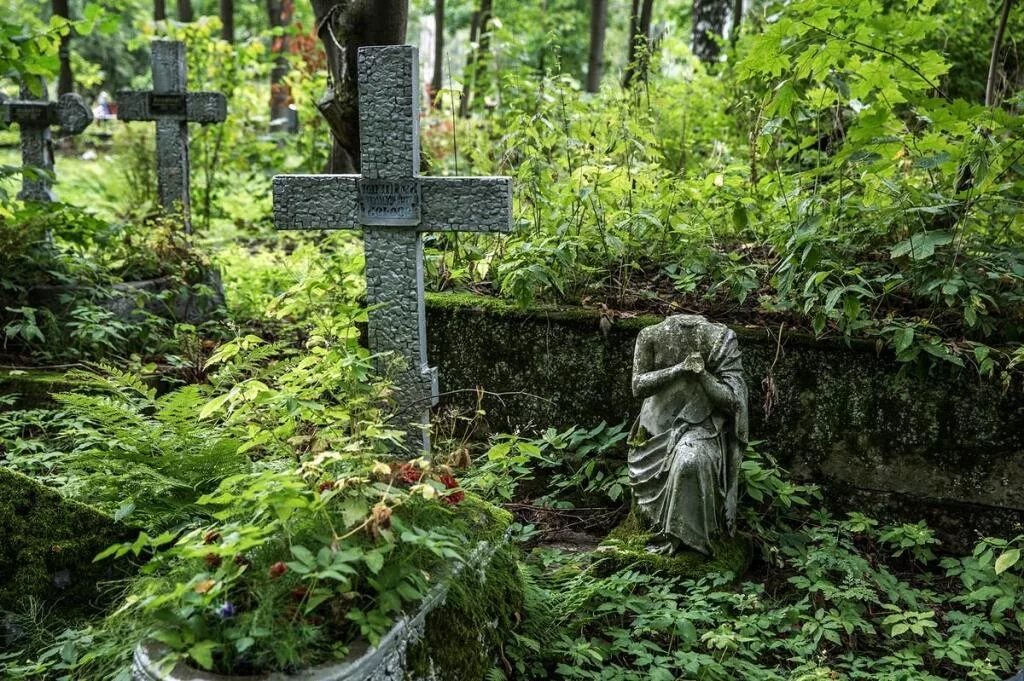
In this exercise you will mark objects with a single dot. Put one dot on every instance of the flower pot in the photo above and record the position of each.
(385, 662)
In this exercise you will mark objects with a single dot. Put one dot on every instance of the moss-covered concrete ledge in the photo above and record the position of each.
(946, 447)
(49, 543)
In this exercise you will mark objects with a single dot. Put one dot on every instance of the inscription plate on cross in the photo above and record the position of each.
(394, 205)
(172, 107)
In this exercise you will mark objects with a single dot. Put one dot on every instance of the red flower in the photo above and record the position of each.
(449, 481)
(277, 569)
(213, 560)
(408, 474)
(326, 485)
(299, 592)
(212, 537)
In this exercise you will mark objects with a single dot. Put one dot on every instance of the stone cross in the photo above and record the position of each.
(34, 118)
(393, 206)
(172, 107)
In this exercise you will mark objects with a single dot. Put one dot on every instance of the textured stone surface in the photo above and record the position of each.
(73, 114)
(389, 150)
(169, 84)
(902, 442)
(34, 119)
(201, 107)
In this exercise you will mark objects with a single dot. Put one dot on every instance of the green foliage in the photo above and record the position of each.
(826, 179)
(577, 465)
(59, 271)
(834, 599)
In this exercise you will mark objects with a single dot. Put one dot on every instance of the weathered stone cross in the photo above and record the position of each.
(172, 107)
(393, 205)
(34, 118)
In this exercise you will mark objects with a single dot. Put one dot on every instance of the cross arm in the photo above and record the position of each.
(316, 202)
(199, 107)
(466, 204)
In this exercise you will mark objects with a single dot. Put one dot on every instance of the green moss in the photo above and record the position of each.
(33, 387)
(464, 638)
(49, 546)
(625, 547)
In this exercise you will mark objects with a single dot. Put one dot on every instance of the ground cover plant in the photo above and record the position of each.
(827, 598)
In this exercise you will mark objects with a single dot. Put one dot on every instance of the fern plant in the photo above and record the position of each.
(140, 456)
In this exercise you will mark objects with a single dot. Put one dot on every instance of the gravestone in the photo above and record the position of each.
(172, 107)
(393, 206)
(34, 118)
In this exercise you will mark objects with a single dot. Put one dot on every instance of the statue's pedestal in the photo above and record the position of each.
(626, 547)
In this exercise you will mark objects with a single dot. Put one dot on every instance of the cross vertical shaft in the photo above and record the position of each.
(170, 77)
(389, 91)
(37, 153)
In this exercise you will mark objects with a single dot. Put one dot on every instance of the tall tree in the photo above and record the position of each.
(709, 17)
(185, 13)
(997, 42)
(159, 10)
(598, 28)
(66, 80)
(280, 14)
(437, 78)
(343, 27)
(480, 36)
(639, 47)
(227, 20)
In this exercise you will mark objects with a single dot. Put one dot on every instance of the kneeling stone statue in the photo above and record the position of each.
(688, 443)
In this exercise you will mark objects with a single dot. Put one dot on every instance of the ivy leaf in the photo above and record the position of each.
(202, 653)
(1007, 560)
(921, 246)
(904, 338)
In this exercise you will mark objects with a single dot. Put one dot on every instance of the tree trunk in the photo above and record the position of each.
(737, 21)
(159, 10)
(993, 64)
(479, 33)
(344, 26)
(639, 42)
(708, 26)
(227, 20)
(185, 14)
(280, 13)
(598, 28)
(66, 80)
(437, 78)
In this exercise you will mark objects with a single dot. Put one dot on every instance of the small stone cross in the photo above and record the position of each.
(34, 118)
(172, 107)
(393, 205)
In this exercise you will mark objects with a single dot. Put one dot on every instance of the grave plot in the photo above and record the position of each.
(396, 341)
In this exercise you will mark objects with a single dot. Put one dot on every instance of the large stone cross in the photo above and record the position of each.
(172, 107)
(393, 205)
(34, 119)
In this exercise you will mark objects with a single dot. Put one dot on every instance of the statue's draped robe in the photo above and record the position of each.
(685, 478)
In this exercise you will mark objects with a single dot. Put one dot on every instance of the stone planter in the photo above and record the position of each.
(385, 662)
(165, 297)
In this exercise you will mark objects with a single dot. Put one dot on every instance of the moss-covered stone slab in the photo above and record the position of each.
(940, 442)
(31, 387)
(47, 546)
(626, 547)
